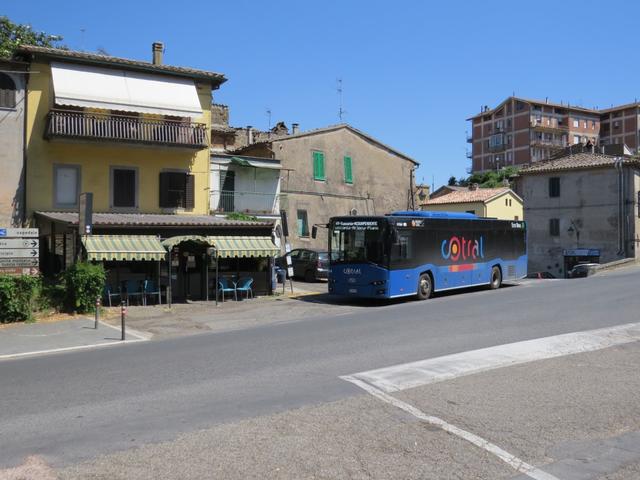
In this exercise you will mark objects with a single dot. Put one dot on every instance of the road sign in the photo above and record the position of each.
(19, 253)
(18, 232)
(19, 243)
(19, 270)
(18, 262)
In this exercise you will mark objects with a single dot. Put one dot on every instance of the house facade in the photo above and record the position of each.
(580, 207)
(337, 170)
(502, 203)
(13, 76)
(136, 135)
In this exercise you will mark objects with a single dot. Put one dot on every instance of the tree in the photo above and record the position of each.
(452, 181)
(12, 35)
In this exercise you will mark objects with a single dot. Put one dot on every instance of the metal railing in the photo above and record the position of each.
(548, 142)
(122, 128)
(246, 202)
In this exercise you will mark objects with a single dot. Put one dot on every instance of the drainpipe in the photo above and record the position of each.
(618, 167)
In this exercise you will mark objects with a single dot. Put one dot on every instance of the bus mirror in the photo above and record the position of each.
(314, 231)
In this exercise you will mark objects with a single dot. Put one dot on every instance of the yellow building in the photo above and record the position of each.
(500, 203)
(135, 134)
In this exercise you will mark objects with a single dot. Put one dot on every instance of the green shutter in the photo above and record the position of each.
(318, 166)
(348, 172)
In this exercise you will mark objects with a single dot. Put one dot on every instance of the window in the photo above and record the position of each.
(576, 123)
(576, 139)
(496, 140)
(509, 157)
(554, 227)
(585, 124)
(124, 187)
(508, 123)
(318, 166)
(473, 212)
(7, 92)
(519, 106)
(506, 202)
(508, 139)
(593, 124)
(303, 224)
(348, 171)
(554, 187)
(66, 186)
(176, 190)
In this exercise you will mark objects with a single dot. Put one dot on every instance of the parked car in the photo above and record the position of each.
(541, 275)
(583, 270)
(309, 264)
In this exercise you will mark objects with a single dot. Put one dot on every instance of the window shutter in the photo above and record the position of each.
(189, 203)
(164, 190)
(318, 166)
(348, 173)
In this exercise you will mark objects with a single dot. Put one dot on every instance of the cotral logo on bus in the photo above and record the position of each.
(457, 248)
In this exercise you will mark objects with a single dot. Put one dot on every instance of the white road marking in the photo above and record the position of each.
(516, 463)
(128, 331)
(68, 349)
(424, 372)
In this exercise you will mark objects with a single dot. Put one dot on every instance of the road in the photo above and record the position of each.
(72, 407)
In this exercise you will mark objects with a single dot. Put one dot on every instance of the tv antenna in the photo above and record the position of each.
(82, 30)
(341, 111)
(269, 117)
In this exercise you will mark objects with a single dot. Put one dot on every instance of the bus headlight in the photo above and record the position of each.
(378, 282)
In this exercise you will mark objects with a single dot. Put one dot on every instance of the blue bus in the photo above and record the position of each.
(417, 253)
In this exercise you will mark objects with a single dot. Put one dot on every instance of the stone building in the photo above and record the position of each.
(12, 111)
(337, 170)
(580, 207)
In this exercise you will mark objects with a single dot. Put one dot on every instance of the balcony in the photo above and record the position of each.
(542, 142)
(127, 129)
(469, 139)
(497, 148)
(246, 202)
(539, 127)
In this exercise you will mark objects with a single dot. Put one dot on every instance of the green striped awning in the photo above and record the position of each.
(244, 246)
(123, 247)
(173, 241)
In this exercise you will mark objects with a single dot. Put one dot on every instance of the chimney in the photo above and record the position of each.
(473, 186)
(249, 134)
(295, 128)
(157, 48)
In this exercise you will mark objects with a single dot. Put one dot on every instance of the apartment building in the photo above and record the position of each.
(520, 131)
(620, 125)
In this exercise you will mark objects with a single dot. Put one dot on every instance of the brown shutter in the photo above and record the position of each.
(190, 193)
(164, 189)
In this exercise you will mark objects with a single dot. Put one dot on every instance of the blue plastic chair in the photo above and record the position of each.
(244, 285)
(134, 289)
(223, 286)
(149, 288)
(108, 294)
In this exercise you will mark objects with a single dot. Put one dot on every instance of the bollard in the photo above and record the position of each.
(97, 313)
(123, 314)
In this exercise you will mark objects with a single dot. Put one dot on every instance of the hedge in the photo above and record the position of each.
(74, 290)
(18, 297)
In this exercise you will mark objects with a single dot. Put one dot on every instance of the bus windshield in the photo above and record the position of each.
(358, 241)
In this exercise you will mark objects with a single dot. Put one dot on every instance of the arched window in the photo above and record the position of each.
(7, 92)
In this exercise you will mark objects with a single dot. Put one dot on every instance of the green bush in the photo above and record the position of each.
(18, 297)
(83, 283)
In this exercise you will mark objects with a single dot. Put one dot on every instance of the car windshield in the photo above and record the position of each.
(357, 241)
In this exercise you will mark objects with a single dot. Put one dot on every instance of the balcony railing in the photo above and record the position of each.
(130, 129)
(548, 142)
(246, 202)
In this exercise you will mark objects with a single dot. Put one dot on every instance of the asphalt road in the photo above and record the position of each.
(74, 406)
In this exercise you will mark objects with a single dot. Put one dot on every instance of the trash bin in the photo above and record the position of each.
(281, 275)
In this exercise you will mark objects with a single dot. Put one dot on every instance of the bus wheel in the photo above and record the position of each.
(496, 278)
(425, 286)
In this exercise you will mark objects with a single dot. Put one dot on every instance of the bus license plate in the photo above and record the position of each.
(353, 290)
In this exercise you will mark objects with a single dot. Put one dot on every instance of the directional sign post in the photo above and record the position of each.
(19, 251)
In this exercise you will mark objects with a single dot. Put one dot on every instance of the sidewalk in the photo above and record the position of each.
(24, 339)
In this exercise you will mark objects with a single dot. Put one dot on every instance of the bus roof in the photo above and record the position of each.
(430, 214)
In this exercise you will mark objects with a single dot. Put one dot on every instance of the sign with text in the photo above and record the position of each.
(19, 243)
(18, 232)
(19, 251)
(19, 262)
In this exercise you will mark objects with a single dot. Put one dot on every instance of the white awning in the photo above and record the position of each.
(110, 89)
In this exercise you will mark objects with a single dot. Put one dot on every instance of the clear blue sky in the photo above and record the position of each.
(412, 71)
